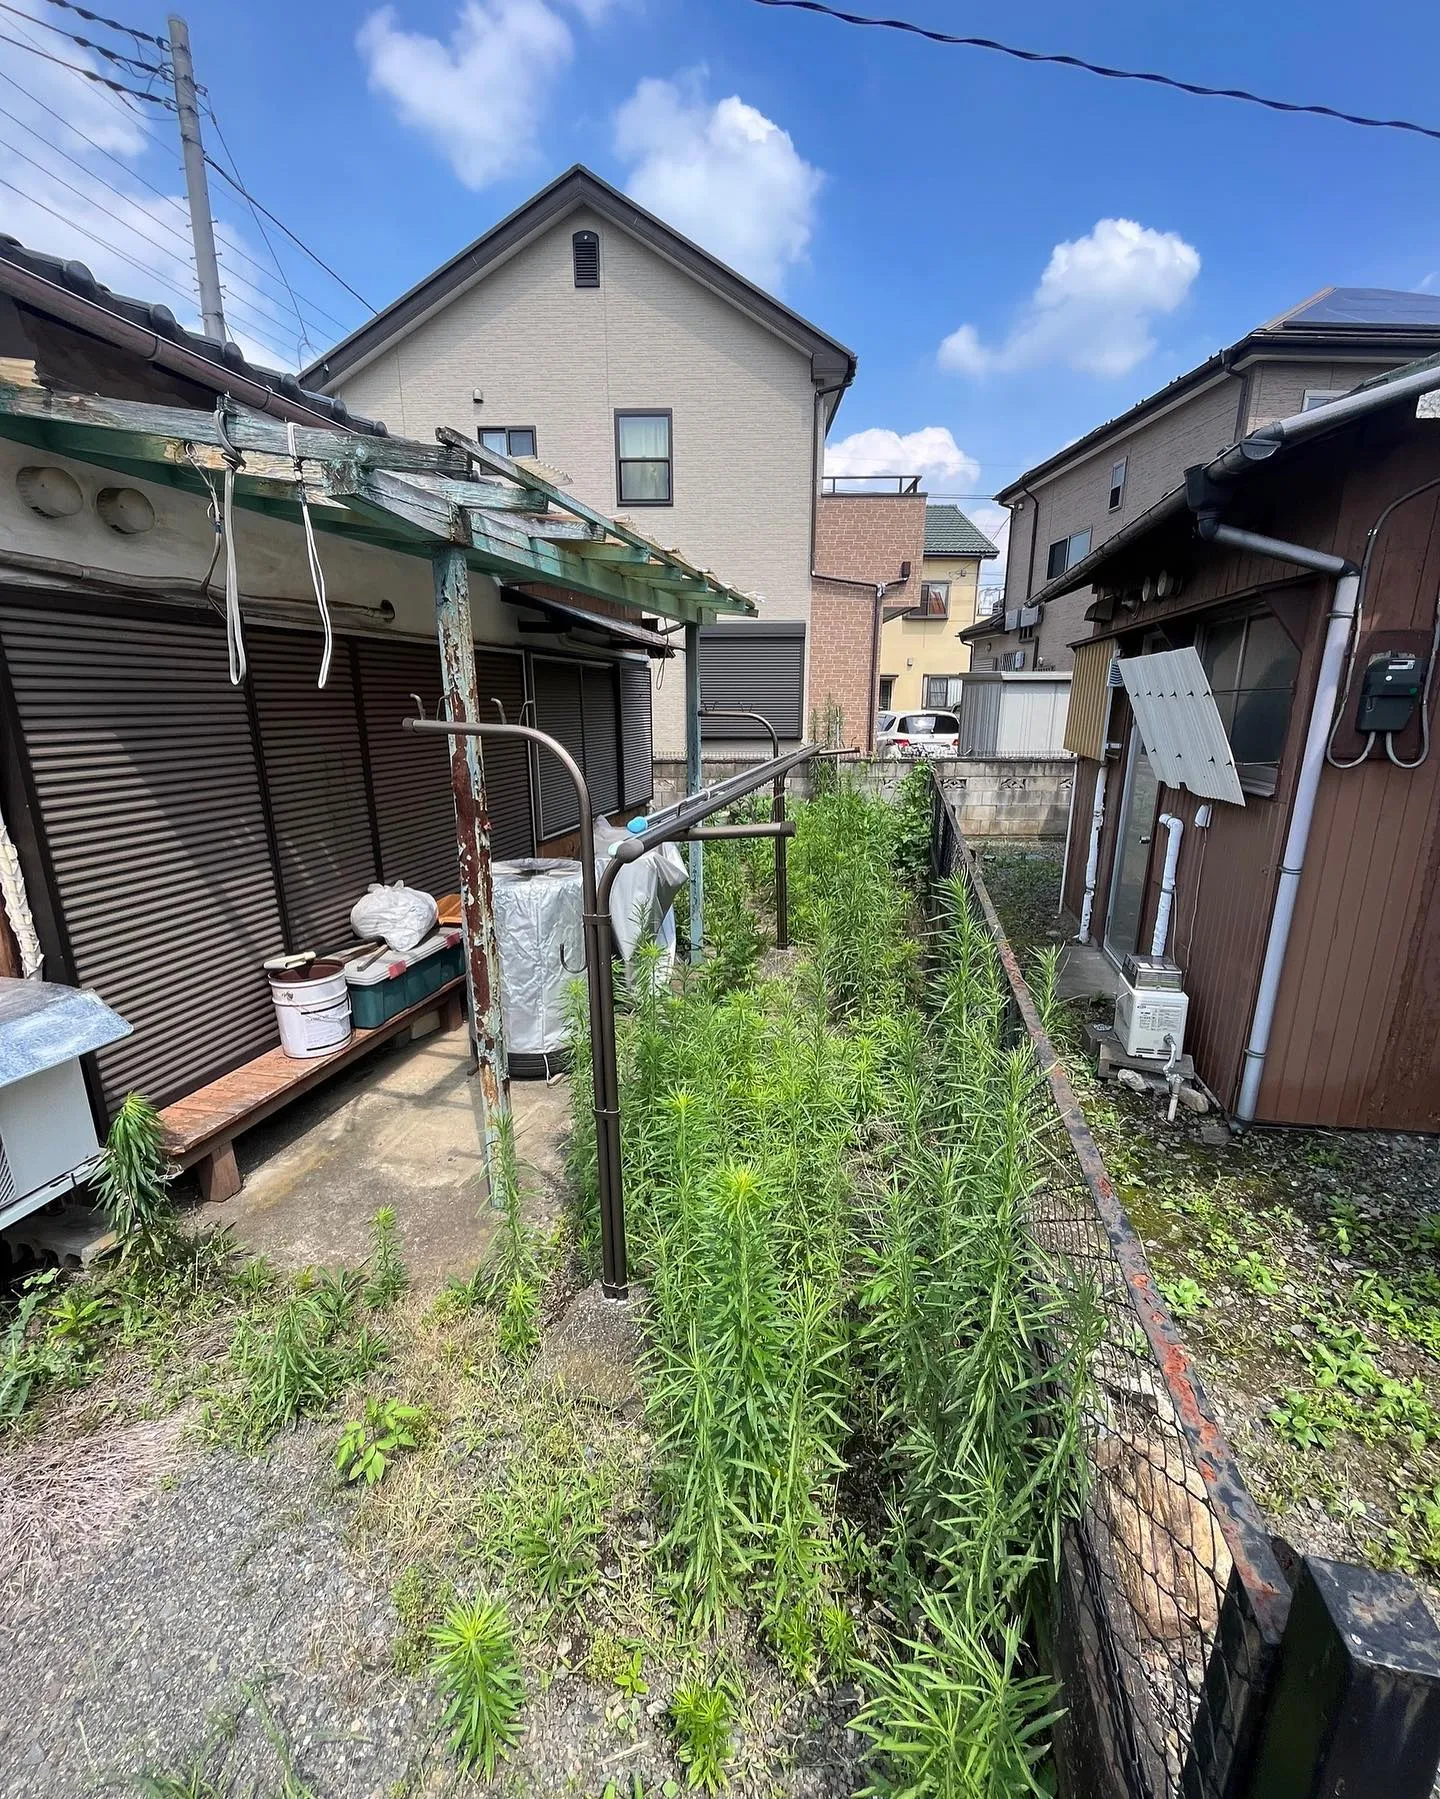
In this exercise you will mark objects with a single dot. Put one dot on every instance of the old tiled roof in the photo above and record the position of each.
(949, 533)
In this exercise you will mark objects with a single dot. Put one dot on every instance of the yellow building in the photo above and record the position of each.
(920, 655)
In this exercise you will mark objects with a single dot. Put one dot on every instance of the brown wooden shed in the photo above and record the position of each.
(1355, 1035)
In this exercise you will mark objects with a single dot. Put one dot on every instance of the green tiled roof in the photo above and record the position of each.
(949, 533)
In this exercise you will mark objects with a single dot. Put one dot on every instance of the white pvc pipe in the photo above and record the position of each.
(1092, 860)
(1292, 862)
(1176, 828)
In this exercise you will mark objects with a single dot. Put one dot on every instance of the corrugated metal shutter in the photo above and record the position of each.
(558, 713)
(315, 772)
(410, 776)
(758, 667)
(144, 769)
(501, 676)
(979, 717)
(602, 738)
(637, 751)
(1089, 699)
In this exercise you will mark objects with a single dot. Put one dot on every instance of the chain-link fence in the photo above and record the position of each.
(1174, 1597)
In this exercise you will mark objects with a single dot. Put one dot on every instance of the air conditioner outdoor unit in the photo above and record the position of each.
(47, 1134)
(1151, 1008)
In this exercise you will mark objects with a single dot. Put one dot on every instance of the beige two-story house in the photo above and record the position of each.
(922, 655)
(1067, 506)
(667, 389)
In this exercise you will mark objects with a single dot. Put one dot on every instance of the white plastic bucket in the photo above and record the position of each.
(312, 1008)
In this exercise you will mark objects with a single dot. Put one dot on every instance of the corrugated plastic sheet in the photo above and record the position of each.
(1180, 724)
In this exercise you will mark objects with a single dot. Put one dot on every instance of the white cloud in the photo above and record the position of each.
(931, 452)
(480, 96)
(1093, 308)
(725, 175)
(61, 197)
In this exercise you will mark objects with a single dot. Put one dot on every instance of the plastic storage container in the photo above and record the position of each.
(395, 980)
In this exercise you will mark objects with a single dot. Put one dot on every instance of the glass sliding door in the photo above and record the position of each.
(1132, 853)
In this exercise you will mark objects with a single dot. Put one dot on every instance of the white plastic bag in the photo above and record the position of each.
(402, 915)
(642, 900)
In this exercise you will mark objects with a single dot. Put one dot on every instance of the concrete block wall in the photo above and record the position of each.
(1020, 797)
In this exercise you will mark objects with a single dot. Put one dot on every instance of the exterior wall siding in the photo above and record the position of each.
(563, 359)
(1356, 1039)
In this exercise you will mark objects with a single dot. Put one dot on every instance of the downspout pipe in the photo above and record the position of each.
(1307, 782)
(1160, 936)
(1092, 859)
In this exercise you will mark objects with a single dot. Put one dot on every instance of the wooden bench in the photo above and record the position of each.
(200, 1130)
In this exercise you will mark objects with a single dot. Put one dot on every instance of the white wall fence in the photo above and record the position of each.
(991, 796)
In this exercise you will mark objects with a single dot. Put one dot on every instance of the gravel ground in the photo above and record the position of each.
(236, 1577)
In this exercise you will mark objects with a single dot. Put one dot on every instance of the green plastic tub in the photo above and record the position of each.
(397, 980)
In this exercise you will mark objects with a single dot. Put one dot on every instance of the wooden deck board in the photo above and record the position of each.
(220, 1111)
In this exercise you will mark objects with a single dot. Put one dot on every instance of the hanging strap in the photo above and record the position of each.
(234, 625)
(317, 574)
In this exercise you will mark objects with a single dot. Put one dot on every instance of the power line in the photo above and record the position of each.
(116, 87)
(169, 199)
(282, 226)
(1096, 68)
(145, 268)
(95, 18)
(133, 64)
(303, 341)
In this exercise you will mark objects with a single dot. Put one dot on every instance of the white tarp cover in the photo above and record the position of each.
(539, 936)
(642, 901)
(1179, 724)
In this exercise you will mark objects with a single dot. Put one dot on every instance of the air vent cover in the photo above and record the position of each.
(586, 248)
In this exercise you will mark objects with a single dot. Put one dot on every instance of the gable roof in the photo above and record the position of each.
(949, 533)
(1344, 321)
(66, 290)
(831, 364)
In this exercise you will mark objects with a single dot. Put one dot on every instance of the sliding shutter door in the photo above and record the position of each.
(149, 798)
(602, 738)
(315, 772)
(409, 776)
(558, 714)
(636, 747)
(501, 676)
(754, 666)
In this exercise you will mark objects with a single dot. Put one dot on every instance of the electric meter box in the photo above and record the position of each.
(1151, 1006)
(1389, 689)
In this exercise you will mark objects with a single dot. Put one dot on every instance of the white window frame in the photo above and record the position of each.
(1320, 396)
(1119, 474)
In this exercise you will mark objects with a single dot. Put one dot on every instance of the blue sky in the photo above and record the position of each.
(1014, 252)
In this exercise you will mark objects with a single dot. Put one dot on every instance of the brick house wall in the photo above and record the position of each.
(861, 541)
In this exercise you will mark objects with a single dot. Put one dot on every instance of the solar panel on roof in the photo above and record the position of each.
(1369, 306)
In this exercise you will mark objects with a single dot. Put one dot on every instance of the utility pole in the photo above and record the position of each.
(197, 187)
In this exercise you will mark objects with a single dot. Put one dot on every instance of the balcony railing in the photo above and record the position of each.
(893, 484)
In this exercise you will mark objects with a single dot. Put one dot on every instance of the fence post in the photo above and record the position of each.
(1355, 1703)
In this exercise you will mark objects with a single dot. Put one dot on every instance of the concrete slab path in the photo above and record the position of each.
(399, 1129)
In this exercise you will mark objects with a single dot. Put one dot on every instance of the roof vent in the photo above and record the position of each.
(586, 248)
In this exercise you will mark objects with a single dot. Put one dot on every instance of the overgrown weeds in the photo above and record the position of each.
(829, 1187)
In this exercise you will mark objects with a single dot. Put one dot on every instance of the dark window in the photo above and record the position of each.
(1026, 632)
(942, 690)
(1251, 664)
(757, 667)
(934, 600)
(887, 687)
(1118, 473)
(509, 440)
(1065, 552)
(585, 247)
(642, 458)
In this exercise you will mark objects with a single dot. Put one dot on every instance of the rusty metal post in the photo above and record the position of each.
(491, 1087)
(693, 784)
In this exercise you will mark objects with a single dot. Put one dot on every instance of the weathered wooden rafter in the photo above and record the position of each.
(388, 492)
